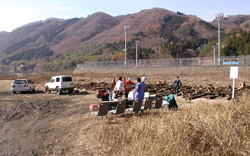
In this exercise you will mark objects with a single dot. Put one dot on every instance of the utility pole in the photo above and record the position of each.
(125, 28)
(219, 17)
(136, 57)
(214, 47)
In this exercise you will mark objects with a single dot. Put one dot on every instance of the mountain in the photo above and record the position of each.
(162, 33)
(79, 34)
(234, 23)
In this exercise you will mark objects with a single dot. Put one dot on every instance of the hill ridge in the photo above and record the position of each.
(100, 34)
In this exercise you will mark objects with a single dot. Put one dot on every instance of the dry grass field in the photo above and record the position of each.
(195, 129)
(48, 124)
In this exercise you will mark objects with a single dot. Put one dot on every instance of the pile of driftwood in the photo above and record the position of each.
(94, 86)
(162, 89)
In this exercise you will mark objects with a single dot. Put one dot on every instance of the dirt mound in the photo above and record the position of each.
(43, 107)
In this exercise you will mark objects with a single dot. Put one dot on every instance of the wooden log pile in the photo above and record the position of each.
(162, 89)
(94, 86)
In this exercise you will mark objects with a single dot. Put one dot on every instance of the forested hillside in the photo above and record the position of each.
(57, 44)
(238, 44)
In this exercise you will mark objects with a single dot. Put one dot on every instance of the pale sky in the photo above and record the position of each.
(15, 13)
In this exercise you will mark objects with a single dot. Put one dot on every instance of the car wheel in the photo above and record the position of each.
(47, 90)
(14, 92)
(70, 91)
(58, 91)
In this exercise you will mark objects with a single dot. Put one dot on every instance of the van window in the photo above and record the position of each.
(52, 80)
(67, 79)
(29, 81)
(58, 79)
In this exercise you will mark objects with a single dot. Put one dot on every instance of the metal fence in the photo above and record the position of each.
(170, 62)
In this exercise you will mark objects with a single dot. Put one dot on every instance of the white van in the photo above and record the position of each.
(59, 84)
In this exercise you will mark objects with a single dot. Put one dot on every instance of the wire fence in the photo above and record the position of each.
(243, 60)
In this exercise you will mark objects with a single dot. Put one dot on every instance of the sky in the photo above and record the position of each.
(16, 13)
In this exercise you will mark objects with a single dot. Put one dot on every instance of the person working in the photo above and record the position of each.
(177, 84)
(139, 90)
(119, 87)
(144, 79)
(128, 87)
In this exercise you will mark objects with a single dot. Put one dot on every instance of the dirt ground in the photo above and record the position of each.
(42, 124)
(47, 124)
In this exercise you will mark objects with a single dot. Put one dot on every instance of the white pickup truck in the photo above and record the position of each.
(59, 84)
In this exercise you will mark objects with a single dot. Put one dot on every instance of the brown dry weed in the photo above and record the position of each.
(195, 129)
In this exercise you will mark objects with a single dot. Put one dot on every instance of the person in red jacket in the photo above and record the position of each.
(128, 85)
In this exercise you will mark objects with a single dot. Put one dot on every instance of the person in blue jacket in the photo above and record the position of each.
(139, 90)
(177, 84)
